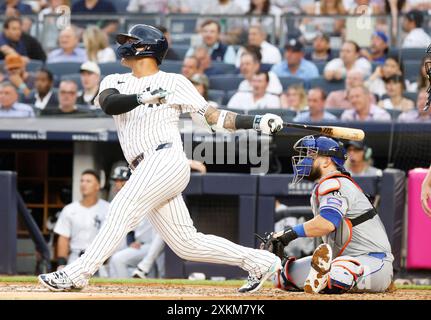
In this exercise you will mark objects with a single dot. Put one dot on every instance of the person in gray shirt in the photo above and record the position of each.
(359, 162)
(9, 105)
(356, 253)
(316, 108)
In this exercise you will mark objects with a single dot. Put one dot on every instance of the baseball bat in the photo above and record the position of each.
(330, 131)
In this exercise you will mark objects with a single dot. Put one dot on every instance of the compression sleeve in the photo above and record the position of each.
(114, 103)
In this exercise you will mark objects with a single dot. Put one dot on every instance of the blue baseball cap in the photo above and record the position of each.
(381, 35)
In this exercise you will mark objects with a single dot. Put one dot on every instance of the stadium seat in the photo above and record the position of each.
(63, 68)
(394, 113)
(34, 65)
(285, 114)
(180, 50)
(171, 66)
(112, 67)
(225, 82)
(121, 5)
(413, 53)
(411, 95)
(320, 66)
(225, 68)
(335, 111)
(286, 82)
(266, 67)
(216, 96)
(228, 96)
(75, 77)
(326, 85)
(412, 69)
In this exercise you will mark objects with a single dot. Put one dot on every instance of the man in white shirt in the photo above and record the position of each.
(248, 67)
(80, 221)
(416, 36)
(258, 98)
(257, 37)
(90, 80)
(349, 59)
(363, 109)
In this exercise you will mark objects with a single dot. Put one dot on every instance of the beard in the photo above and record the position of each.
(315, 174)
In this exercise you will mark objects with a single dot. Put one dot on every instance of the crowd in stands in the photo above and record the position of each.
(303, 74)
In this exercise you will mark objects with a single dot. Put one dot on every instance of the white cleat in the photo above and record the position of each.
(253, 283)
(57, 281)
(321, 260)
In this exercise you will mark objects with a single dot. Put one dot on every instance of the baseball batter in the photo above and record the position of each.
(146, 105)
(356, 254)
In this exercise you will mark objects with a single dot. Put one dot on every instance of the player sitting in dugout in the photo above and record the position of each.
(355, 254)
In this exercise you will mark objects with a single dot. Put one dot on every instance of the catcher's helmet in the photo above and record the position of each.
(142, 41)
(310, 146)
(121, 173)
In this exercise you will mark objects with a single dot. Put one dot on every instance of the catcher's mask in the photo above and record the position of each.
(309, 148)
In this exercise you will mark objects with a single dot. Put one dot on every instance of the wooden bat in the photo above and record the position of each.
(330, 131)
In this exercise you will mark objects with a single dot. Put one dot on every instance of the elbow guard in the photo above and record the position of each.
(104, 99)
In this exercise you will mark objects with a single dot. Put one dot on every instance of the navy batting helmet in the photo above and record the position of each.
(142, 41)
(121, 173)
(310, 146)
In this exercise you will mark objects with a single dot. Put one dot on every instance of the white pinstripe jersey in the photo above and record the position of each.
(149, 125)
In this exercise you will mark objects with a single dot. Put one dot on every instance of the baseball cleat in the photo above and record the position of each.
(253, 283)
(138, 273)
(57, 281)
(321, 261)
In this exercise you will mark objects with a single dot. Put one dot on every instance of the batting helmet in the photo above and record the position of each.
(121, 173)
(310, 146)
(142, 41)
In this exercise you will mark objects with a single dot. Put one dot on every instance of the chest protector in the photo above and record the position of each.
(340, 238)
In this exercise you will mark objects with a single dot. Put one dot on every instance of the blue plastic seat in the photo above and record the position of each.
(171, 66)
(286, 82)
(112, 67)
(225, 82)
(63, 68)
(216, 96)
(327, 86)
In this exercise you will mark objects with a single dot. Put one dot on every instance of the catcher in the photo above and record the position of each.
(356, 254)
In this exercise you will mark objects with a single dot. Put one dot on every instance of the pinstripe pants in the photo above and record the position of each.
(154, 190)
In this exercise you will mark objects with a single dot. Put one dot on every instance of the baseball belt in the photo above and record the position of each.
(140, 157)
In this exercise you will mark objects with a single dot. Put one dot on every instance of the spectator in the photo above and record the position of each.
(205, 62)
(378, 49)
(264, 8)
(90, 80)
(95, 7)
(395, 88)
(201, 83)
(69, 50)
(146, 246)
(13, 40)
(416, 36)
(334, 26)
(257, 37)
(321, 49)
(43, 96)
(97, 45)
(48, 31)
(80, 221)
(423, 81)
(418, 4)
(9, 105)
(316, 108)
(67, 98)
(148, 6)
(418, 114)
(294, 64)
(338, 99)
(248, 68)
(395, 8)
(186, 6)
(15, 8)
(210, 33)
(363, 108)
(17, 74)
(190, 67)
(221, 7)
(171, 54)
(359, 161)
(349, 59)
(258, 98)
(294, 98)
(392, 66)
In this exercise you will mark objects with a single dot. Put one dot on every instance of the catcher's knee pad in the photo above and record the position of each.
(282, 279)
(344, 274)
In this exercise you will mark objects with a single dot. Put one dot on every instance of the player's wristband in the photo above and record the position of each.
(291, 234)
(247, 122)
(300, 231)
(61, 261)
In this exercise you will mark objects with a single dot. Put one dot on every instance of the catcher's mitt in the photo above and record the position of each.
(275, 242)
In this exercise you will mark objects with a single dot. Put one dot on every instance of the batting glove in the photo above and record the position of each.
(268, 123)
(153, 97)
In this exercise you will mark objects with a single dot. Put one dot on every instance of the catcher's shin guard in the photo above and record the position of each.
(282, 279)
(344, 274)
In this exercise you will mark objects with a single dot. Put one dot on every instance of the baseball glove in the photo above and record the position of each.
(275, 242)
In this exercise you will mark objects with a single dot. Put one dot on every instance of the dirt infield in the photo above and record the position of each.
(131, 291)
